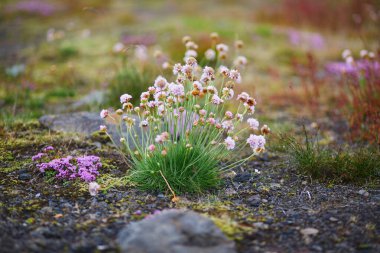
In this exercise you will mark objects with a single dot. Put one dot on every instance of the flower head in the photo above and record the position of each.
(235, 75)
(216, 100)
(104, 113)
(256, 142)
(222, 48)
(93, 188)
(253, 123)
(125, 98)
(230, 143)
(102, 128)
(210, 54)
(160, 82)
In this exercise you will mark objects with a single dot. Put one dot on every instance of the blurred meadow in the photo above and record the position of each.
(57, 56)
(65, 56)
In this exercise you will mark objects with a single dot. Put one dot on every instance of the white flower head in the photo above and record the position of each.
(216, 99)
(224, 70)
(256, 142)
(346, 53)
(118, 47)
(104, 113)
(240, 61)
(93, 188)
(210, 54)
(125, 98)
(230, 143)
(176, 89)
(253, 123)
(222, 48)
(235, 75)
(190, 53)
(177, 68)
(160, 83)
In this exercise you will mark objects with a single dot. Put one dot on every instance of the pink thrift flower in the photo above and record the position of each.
(104, 114)
(230, 143)
(125, 98)
(93, 188)
(253, 123)
(256, 141)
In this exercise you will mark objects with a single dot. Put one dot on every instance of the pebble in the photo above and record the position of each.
(25, 176)
(364, 193)
(309, 231)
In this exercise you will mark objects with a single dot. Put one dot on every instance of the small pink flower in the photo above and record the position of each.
(202, 112)
(253, 123)
(222, 48)
(104, 114)
(256, 141)
(216, 100)
(235, 75)
(224, 70)
(102, 128)
(197, 85)
(211, 121)
(229, 114)
(210, 54)
(93, 188)
(152, 147)
(230, 143)
(125, 98)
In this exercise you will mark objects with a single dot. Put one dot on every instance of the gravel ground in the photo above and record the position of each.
(266, 207)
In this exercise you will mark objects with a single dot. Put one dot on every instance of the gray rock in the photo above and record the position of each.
(84, 123)
(25, 176)
(174, 231)
(95, 97)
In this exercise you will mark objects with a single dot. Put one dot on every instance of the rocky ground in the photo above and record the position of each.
(266, 207)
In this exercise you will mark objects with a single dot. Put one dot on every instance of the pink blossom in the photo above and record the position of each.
(230, 143)
(216, 100)
(104, 114)
(253, 123)
(222, 47)
(160, 83)
(125, 98)
(210, 54)
(176, 89)
(224, 70)
(152, 147)
(197, 85)
(102, 128)
(229, 114)
(235, 75)
(256, 141)
(228, 125)
(93, 188)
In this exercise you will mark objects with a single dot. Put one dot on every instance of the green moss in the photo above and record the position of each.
(30, 220)
(231, 228)
(100, 137)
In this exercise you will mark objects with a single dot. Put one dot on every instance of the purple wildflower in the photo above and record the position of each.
(38, 156)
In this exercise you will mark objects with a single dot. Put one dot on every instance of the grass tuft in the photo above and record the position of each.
(358, 166)
(187, 170)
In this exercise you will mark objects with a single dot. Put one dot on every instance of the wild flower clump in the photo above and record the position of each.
(186, 127)
(68, 168)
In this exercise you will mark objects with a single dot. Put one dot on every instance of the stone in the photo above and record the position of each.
(364, 193)
(309, 231)
(83, 123)
(174, 231)
(95, 97)
(25, 176)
